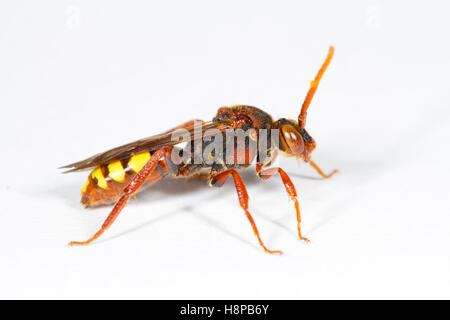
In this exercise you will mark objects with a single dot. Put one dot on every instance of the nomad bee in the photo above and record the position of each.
(119, 174)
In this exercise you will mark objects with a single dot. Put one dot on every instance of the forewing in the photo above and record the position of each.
(143, 145)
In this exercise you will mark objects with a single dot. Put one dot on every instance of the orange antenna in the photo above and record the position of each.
(313, 88)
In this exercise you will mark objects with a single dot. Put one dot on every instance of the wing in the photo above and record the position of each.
(147, 144)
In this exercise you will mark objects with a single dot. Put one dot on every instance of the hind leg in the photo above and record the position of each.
(129, 191)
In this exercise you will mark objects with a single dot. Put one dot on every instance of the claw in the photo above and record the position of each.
(78, 243)
(305, 239)
(274, 251)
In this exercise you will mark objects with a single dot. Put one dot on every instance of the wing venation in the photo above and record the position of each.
(143, 145)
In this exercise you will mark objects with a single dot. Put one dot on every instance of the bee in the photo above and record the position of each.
(118, 174)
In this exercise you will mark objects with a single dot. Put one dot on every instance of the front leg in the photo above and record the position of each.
(290, 189)
(319, 171)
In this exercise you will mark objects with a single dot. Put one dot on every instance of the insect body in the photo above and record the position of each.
(121, 172)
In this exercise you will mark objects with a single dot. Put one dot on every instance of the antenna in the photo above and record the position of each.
(313, 88)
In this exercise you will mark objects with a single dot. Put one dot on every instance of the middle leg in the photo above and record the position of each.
(218, 180)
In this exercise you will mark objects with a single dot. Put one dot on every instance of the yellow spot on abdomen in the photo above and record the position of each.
(138, 161)
(84, 189)
(116, 171)
(101, 181)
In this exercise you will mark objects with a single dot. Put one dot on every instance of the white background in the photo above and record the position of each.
(79, 77)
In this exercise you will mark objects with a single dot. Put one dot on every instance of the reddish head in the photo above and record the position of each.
(294, 139)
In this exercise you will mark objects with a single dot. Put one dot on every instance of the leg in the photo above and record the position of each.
(133, 187)
(290, 189)
(319, 171)
(218, 180)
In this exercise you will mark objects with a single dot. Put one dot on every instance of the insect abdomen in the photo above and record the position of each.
(105, 183)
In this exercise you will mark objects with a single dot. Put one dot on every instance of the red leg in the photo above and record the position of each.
(290, 189)
(134, 186)
(219, 179)
(319, 171)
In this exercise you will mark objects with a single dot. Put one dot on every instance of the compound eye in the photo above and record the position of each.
(291, 140)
